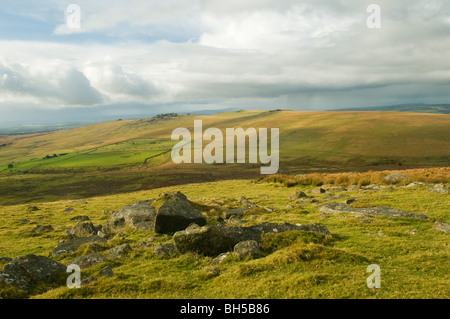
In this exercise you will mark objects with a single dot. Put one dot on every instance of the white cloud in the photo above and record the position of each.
(110, 78)
(114, 16)
(57, 82)
(263, 30)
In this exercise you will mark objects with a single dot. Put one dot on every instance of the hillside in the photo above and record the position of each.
(416, 108)
(306, 262)
(130, 155)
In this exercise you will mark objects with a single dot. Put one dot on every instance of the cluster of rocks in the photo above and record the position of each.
(26, 272)
(170, 213)
(212, 240)
(186, 231)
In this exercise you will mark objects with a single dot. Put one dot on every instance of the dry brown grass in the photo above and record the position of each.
(428, 175)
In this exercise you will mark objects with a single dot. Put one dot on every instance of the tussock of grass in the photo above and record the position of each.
(272, 242)
(9, 292)
(428, 175)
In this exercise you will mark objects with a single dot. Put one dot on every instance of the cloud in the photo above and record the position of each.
(110, 78)
(55, 83)
(254, 53)
(119, 17)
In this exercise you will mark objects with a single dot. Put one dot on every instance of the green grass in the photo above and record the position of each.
(294, 264)
(121, 154)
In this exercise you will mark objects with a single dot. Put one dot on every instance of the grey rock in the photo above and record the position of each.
(165, 250)
(440, 190)
(82, 229)
(213, 240)
(68, 210)
(266, 227)
(441, 226)
(73, 245)
(95, 248)
(5, 259)
(237, 212)
(144, 244)
(219, 259)
(140, 216)
(42, 229)
(88, 261)
(88, 280)
(207, 240)
(336, 208)
(23, 220)
(317, 190)
(118, 251)
(353, 188)
(176, 214)
(234, 221)
(350, 201)
(372, 187)
(305, 201)
(244, 201)
(102, 234)
(394, 178)
(249, 248)
(172, 195)
(83, 217)
(106, 272)
(26, 272)
(297, 195)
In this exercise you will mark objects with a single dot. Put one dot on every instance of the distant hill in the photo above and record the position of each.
(317, 139)
(415, 108)
(128, 155)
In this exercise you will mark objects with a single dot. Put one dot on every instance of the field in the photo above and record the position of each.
(99, 168)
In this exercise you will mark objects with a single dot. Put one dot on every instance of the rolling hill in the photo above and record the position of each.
(128, 155)
(417, 108)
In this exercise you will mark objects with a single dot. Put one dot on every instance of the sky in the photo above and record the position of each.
(139, 57)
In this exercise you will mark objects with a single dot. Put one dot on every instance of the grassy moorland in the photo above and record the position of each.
(125, 156)
(99, 168)
(412, 255)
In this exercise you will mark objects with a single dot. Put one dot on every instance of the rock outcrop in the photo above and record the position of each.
(249, 248)
(213, 240)
(169, 213)
(26, 272)
(165, 250)
(82, 229)
(117, 252)
(71, 246)
(140, 215)
(441, 226)
(176, 213)
(336, 208)
(394, 178)
(88, 261)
